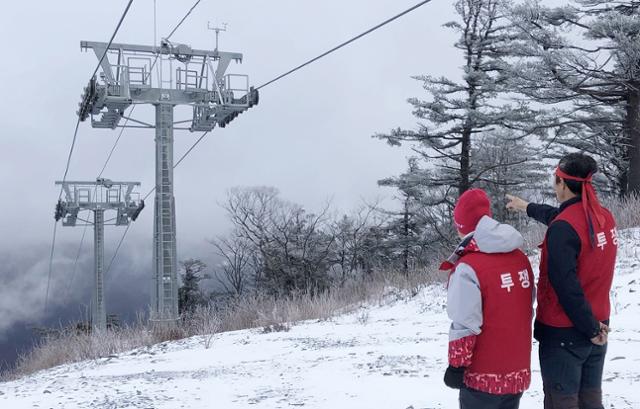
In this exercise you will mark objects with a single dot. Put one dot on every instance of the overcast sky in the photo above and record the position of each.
(310, 136)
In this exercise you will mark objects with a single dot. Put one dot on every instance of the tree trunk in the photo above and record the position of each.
(465, 162)
(623, 181)
(405, 255)
(632, 131)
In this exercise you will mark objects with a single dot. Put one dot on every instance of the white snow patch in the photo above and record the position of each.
(388, 356)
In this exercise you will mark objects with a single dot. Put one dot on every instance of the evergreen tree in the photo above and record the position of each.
(459, 112)
(516, 170)
(407, 225)
(597, 131)
(584, 58)
(189, 294)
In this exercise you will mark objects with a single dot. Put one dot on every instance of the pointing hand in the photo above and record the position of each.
(516, 203)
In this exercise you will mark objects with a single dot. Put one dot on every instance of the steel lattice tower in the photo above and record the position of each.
(98, 197)
(165, 289)
(164, 77)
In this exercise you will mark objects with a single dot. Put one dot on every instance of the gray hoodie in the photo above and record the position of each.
(464, 299)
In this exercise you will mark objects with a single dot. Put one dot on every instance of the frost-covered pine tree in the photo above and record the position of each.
(584, 58)
(406, 226)
(189, 294)
(457, 113)
(472, 132)
(513, 169)
(597, 130)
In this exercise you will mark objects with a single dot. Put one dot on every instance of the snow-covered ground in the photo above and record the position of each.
(383, 356)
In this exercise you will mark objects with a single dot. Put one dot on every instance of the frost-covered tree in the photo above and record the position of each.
(236, 272)
(585, 59)
(406, 227)
(292, 248)
(352, 255)
(458, 112)
(516, 169)
(598, 131)
(189, 294)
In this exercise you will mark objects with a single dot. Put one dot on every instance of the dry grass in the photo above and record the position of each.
(259, 311)
(71, 346)
(256, 311)
(626, 211)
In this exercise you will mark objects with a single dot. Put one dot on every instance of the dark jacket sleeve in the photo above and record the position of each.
(563, 246)
(542, 212)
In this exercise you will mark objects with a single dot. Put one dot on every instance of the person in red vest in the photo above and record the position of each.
(576, 273)
(490, 303)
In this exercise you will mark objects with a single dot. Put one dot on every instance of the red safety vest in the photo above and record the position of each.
(502, 354)
(594, 269)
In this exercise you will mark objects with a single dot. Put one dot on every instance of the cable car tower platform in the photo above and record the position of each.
(98, 197)
(164, 76)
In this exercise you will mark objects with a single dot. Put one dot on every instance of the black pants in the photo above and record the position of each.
(473, 399)
(572, 375)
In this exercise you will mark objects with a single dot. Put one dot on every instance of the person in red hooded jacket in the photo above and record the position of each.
(490, 303)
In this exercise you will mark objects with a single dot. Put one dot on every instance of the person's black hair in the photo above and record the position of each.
(578, 165)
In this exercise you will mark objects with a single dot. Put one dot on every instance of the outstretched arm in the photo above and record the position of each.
(540, 212)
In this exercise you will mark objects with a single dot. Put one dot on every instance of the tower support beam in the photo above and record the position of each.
(98, 312)
(165, 271)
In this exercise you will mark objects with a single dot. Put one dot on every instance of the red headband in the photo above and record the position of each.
(590, 202)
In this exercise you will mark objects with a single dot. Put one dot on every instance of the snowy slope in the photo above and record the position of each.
(384, 356)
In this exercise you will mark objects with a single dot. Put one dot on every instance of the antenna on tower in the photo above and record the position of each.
(217, 30)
